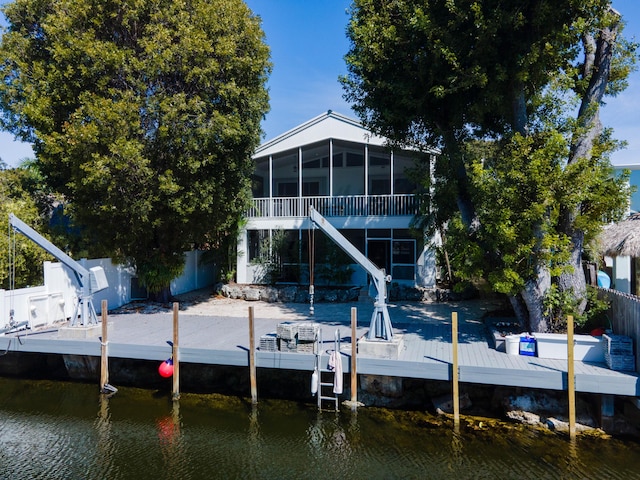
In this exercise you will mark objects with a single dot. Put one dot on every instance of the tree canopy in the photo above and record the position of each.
(21, 194)
(510, 92)
(143, 114)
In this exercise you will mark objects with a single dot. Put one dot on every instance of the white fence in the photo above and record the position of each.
(56, 300)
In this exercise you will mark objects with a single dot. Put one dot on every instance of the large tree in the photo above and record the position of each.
(510, 91)
(21, 194)
(143, 114)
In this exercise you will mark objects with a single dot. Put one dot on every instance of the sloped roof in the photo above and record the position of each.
(622, 238)
(328, 125)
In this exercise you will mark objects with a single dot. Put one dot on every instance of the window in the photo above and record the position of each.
(355, 159)
(310, 189)
(287, 189)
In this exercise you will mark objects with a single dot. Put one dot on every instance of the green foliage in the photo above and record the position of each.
(17, 196)
(520, 185)
(275, 256)
(144, 115)
(559, 304)
(334, 267)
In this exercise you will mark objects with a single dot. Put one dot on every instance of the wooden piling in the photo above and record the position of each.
(252, 359)
(104, 354)
(176, 356)
(571, 379)
(354, 349)
(456, 389)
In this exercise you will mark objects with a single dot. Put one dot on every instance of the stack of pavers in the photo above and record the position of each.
(288, 336)
(618, 352)
(269, 342)
(307, 336)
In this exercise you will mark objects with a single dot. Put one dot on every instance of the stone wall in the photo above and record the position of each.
(300, 293)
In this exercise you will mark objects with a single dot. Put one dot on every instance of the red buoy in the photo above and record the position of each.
(166, 368)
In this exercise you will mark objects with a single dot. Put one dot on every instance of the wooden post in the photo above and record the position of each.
(456, 390)
(354, 348)
(104, 354)
(176, 356)
(252, 360)
(571, 379)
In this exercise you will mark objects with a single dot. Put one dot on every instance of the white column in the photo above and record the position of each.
(622, 274)
(331, 167)
(242, 257)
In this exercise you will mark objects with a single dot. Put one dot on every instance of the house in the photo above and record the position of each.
(620, 242)
(362, 187)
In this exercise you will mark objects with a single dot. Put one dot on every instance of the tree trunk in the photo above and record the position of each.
(597, 67)
(459, 172)
(520, 309)
(162, 296)
(533, 296)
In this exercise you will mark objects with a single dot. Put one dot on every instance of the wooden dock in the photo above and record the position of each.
(426, 354)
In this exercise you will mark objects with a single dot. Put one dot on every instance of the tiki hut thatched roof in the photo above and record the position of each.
(622, 238)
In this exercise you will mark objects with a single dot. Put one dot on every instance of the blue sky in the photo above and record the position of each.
(308, 43)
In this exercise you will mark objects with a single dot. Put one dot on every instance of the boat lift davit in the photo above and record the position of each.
(380, 328)
(90, 280)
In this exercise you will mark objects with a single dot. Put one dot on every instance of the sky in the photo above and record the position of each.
(308, 43)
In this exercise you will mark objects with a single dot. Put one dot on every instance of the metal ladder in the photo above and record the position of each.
(324, 384)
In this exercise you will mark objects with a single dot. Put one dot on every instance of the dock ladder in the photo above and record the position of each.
(326, 376)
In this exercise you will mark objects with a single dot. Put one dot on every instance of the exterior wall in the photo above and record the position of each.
(424, 266)
(621, 280)
(352, 179)
(56, 299)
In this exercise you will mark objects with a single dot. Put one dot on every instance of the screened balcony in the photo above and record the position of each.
(337, 178)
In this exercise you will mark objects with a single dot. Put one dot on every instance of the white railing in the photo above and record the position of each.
(345, 206)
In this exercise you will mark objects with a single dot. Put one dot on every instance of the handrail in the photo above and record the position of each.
(336, 206)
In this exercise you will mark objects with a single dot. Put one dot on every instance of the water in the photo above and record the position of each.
(58, 430)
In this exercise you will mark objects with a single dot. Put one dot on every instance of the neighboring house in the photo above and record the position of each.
(350, 177)
(621, 243)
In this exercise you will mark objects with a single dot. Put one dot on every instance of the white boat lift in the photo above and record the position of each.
(90, 280)
(380, 328)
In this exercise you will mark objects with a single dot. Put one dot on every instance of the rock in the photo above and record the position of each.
(381, 385)
(232, 291)
(444, 403)
(251, 294)
(521, 416)
(269, 294)
(302, 296)
(288, 294)
(546, 408)
(331, 296)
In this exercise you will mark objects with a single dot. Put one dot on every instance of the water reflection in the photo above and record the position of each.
(59, 431)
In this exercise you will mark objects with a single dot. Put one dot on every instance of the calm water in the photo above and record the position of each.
(57, 430)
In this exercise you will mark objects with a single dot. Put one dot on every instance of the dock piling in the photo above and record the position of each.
(354, 349)
(456, 389)
(252, 360)
(176, 356)
(104, 354)
(571, 379)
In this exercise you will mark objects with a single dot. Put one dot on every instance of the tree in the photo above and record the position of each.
(144, 115)
(19, 194)
(520, 185)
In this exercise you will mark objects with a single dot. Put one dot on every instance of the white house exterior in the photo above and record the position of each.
(624, 270)
(348, 175)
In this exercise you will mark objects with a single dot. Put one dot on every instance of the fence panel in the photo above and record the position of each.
(624, 314)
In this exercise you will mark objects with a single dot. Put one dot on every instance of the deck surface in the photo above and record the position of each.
(221, 337)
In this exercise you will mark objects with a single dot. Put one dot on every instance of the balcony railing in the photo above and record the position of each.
(346, 206)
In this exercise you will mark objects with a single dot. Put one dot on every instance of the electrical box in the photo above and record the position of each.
(98, 279)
